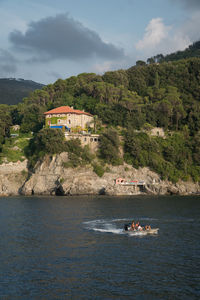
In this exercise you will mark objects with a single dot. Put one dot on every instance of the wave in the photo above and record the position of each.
(109, 226)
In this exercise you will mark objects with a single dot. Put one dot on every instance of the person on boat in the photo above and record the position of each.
(132, 225)
(138, 227)
(147, 227)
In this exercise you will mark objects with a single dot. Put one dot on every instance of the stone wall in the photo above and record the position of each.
(86, 139)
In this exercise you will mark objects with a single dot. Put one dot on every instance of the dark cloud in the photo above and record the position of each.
(8, 64)
(189, 4)
(62, 37)
(189, 29)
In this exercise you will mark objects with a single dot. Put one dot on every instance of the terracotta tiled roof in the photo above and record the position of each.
(66, 109)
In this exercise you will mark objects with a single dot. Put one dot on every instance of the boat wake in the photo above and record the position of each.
(110, 226)
(115, 226)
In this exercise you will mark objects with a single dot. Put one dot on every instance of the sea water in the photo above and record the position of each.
(76, 248)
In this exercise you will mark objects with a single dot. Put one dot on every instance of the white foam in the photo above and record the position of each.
(111, 230)
(108, 226)
(114, 226)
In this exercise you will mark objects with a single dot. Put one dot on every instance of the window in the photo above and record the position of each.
(91, 140)
(69, 122)
(85, 139)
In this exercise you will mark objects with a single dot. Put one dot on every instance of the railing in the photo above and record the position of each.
(133, 183)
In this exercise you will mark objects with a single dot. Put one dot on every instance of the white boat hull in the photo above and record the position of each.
(143, 232)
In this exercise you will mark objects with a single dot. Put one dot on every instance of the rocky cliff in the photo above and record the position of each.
(50, 177)
(12, 177)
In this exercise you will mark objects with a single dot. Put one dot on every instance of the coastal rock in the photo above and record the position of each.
(52, 177)
(12, 177)
(188, 188)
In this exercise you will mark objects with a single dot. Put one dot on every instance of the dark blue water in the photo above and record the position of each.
(74, 248)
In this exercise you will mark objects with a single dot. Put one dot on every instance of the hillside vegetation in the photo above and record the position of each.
(131, 102)
(192, 51)
(12, 91)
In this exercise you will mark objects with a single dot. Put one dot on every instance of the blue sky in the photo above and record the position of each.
(43, 40)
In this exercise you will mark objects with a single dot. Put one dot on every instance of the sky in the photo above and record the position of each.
(43, 40)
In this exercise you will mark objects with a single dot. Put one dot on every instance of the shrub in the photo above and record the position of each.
(77, 155)
(98, 169)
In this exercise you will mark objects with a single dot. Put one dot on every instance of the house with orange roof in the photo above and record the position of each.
(67, 117)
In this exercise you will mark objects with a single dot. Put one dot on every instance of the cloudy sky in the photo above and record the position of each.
(43, 40)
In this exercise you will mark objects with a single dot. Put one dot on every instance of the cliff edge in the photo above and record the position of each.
(50, 177)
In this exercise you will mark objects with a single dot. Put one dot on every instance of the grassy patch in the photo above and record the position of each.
(13, 149)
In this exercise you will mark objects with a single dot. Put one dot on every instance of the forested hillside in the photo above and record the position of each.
(192, 51)
(12, 91)
(131, 101)
(164, 95)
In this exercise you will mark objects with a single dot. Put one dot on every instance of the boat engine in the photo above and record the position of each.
(126, 227)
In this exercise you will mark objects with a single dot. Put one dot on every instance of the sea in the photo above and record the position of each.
(75, 247)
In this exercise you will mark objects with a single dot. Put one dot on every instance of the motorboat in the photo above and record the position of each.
(127, 228)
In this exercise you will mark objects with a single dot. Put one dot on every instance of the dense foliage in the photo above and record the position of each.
(109, 147)
(164, 95)
(46, 141)
(175, 157)
(52, 141)
(149, 95)
(5, 123)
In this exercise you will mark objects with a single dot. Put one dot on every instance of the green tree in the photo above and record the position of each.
(116, 78)
(46, 141)
(109, 147)
(157, 81)
(140, 63)
(5, 123)
(32, 118)
(151, 60)
(196, 148)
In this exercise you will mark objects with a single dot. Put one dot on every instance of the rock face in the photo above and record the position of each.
(12, 177)
(50, 177)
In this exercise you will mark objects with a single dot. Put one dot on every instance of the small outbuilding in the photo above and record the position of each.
(120, 181)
